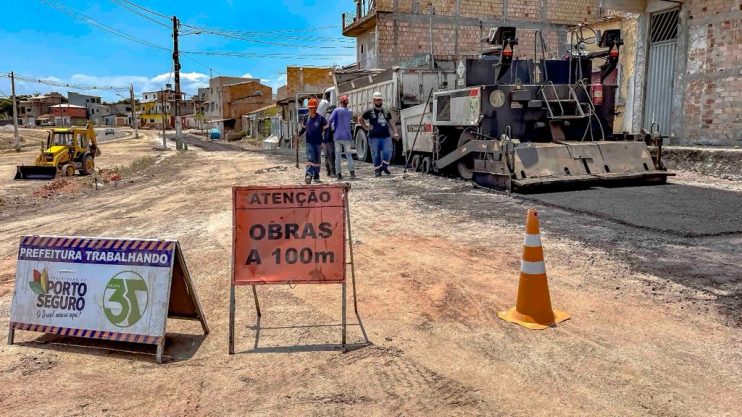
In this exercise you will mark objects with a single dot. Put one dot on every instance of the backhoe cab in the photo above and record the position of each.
(67, 151)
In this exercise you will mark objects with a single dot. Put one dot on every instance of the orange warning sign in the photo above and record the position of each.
(290, 234)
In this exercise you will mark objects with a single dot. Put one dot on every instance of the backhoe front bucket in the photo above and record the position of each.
(31, 172)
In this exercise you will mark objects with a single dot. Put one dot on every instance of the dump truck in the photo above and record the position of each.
(66, 152)
(401, 87)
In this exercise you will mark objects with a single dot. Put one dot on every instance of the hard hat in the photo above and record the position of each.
(344, 99)
(377, 95)
(312, 103)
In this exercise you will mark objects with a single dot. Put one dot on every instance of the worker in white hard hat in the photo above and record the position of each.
(378, 122)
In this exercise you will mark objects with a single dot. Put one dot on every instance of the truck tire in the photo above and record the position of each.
(363, 152)
(426, 166)
(68, 170)
(415, 163)
(88, 165)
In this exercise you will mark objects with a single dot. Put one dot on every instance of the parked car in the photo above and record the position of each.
(110, 131)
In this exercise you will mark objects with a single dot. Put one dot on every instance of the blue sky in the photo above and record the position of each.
(43, 42)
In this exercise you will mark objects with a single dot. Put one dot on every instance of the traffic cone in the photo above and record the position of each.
(533, 306)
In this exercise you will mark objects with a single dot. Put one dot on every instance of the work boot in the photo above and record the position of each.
(377, 173)
(317, 180)
(307, 179)
(352, 175)
(316, 177)
(385, 169)
(340, 177)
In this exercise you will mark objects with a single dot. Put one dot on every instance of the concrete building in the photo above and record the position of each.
(157, 106)
(69, 115)
(97, 111)
(683, 68)
(301, 82)
(214, 98)
(33, 109)
(396, 32)
(228, 98)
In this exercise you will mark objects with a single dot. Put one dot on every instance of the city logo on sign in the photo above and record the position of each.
(40, 283)
(125, 299)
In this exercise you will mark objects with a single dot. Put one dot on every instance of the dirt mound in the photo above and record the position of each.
(58, 186)
(109, 175)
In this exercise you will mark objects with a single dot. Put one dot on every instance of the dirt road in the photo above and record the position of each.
(655, 327)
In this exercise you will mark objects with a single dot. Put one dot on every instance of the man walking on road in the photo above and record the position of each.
(380, 126)
(314, 124)
(340, 121)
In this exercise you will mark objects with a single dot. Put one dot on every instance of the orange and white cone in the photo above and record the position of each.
(533, 306)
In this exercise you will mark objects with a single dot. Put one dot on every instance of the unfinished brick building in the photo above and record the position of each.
(682, 71)
(390, 32)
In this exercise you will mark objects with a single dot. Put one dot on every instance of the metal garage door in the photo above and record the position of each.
(663, 40)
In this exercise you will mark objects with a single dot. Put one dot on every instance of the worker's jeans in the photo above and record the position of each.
(381, 151)
(343, 147)
(314, 159)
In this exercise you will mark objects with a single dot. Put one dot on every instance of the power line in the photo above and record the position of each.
(88, 20)
(266, 42)
(150, 11)
(135, 11)
(243, 35)
(62, 84)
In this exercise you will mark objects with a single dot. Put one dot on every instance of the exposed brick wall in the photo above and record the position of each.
(235, 108)
(529, 10)
(713, 96)
(404, 31)
(572, 12)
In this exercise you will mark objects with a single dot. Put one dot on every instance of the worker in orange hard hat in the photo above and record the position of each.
(314, 125)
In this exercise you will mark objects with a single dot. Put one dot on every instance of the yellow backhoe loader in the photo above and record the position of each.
(67, 151)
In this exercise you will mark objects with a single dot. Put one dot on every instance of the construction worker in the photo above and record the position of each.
(314, 125)
(328, 143)
(340, 120)
(378, 122)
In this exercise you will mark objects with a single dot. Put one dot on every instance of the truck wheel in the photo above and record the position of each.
(88, 165)
(466, 164)
(426, 166)
(68, 170)
(415, 163)
(363, 152)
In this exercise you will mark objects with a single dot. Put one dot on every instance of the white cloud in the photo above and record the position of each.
(247, 75)
(190, 82)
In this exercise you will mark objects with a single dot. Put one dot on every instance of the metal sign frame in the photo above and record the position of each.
(187, 306)
(347, 263)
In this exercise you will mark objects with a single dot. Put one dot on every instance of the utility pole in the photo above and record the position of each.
(162, 102)
(176, 68)
(15, 113)
(133, 103)
(432, 57)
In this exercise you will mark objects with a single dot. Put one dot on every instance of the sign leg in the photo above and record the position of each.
(257, 304)
(345, 322)
(11, 334)
(231, 319)
(160, 350)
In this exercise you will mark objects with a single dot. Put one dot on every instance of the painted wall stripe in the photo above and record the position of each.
(532, 268)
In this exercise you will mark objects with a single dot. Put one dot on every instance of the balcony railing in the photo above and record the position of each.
(364, 8)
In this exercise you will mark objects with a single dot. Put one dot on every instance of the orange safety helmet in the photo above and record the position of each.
(312, 103)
